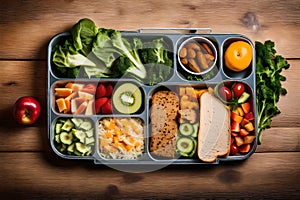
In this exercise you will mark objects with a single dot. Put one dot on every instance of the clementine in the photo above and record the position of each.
(238, 56)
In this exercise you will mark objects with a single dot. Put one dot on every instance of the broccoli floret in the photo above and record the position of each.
(132, 54)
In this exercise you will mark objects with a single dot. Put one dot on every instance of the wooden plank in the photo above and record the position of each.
(27, 27)
(35, 175)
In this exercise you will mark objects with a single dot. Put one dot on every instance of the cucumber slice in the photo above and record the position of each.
(57, 138)
(185, 145)
(68, 125)
(86, 125)
(81, 148)
(66, 138)
(77, 121)
(71, 148)
(244, 97)
(77, 153)
(196, 128)
(90, 133)
(186, 129)
(80, 135)
(61, 120)
(58, 128)
(63, 147)
(89, 140)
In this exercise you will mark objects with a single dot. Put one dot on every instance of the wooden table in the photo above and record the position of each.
(30, 169)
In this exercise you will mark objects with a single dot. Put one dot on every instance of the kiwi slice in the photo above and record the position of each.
(127, 98)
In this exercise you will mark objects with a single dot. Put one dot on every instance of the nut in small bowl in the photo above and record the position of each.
(197, 55)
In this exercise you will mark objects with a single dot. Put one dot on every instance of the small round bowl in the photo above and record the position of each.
(197, 55)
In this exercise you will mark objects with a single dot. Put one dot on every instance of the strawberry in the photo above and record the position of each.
(99, 103)
(109, 90)
(101, 91)
(107, 107)
(89, 88)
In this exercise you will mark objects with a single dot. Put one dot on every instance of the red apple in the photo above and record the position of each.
(26, 110)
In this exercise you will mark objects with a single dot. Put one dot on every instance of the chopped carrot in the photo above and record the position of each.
(63, 92)
(108, 134)
(68, 106)
(61, 104)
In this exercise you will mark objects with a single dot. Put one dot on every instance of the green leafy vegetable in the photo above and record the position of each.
(105, 53)
(268, 83)
(156, 58)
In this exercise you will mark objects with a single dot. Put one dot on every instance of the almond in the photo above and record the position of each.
(193, 66)
(206, 48)
(193, 45)
(183, 52)
(202, 60)
(191, 53)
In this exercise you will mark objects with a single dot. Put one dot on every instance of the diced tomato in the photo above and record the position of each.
(249, 116)
(235, 126)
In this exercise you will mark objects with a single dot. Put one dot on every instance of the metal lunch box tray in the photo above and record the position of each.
(178, 78)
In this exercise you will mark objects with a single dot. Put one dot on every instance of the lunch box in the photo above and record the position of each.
(179, 77)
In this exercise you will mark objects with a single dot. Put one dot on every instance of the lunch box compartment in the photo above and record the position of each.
(229, 74)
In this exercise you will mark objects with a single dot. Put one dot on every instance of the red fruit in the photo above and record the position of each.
(101, 91)
(233, 149)
(249, 116)
(239, 141)
(243, 132)
(245, 148)
(236, 117)
(99, 103)
(107, 107)
(238, 89)
(89, 88)
(246, 107)
(234, 134)
(26, 110)
(244, 122)
(109, 90)
(225, 93)
(235, 126)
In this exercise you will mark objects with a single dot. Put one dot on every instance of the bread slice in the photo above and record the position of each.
(164, 128)
(214, 130)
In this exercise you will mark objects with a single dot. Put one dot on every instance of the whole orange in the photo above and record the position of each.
(238, 56)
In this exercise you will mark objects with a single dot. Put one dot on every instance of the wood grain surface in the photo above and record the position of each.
(29, 169)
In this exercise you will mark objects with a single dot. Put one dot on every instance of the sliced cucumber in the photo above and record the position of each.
(68, 125)
(57, 138)
(86, 125)
(244, 97)
(80, 135)
(186, 129)
(77, 121)
(185, 145)
(195, 132)
(81, 148)
(71, 148)
(66, 138)
(90, 133)
(63, 147)
(74, 136)
(89, 140)
(58, 128)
